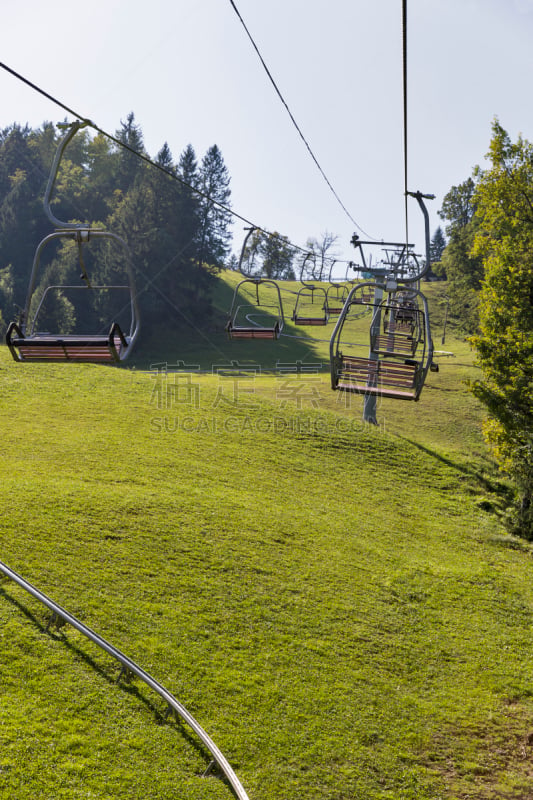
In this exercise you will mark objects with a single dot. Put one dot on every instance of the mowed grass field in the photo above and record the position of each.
(338, 605)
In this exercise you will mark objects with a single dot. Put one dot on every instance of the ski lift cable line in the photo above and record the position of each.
(404, 77)
(143, 156)
(118, 142)
(289, 112)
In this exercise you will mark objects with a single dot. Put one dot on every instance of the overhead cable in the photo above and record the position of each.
(117, 141)
(143, 156)
(306, 143)
(405, 152)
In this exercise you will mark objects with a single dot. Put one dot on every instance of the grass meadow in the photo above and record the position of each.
(338, 605)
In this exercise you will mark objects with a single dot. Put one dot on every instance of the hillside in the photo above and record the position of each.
(336, 604)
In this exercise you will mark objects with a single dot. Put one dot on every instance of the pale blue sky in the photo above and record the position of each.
(188, 71)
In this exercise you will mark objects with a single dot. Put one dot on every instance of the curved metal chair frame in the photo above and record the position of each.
(237, 330)
(22, 338)
(305, 300)
(234, 328)
(401, 264)
(131, 668)
(336, 295)
(304, 312)
(395, 367)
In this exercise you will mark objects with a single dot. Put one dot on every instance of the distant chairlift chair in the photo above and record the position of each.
(394, 363)
(243, 316)
(245, 312)
(336, 295)
(311, 303)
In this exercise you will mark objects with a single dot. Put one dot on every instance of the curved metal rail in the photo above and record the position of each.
(130, 666)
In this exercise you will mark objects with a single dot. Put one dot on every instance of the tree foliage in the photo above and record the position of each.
(503, 241)
(278, 254)
(215, 220)
(437, 246)
(268, 256)
(463, 269)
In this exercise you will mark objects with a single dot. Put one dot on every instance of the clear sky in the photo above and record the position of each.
(189, 73)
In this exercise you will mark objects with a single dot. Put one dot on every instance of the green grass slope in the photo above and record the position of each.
(336, 604)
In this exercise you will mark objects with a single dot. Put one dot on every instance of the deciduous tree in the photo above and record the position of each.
(323, 250)
(504, 345)
(277, 254)
(463, 270)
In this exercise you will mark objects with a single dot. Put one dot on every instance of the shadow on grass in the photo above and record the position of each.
(206, 343)
(498, 488)
(112, 680)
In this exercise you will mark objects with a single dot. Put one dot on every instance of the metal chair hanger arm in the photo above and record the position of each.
(72, 129)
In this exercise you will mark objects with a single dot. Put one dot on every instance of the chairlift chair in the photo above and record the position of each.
(394, 363)
(108, 345)
(262, 319)
(243, 320)
(336, 294)
(311, 303)
(311, 306)
(400, 335)
(402, 314)
(372, 363)
(366, 296)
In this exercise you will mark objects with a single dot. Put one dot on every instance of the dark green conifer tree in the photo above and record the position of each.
(129, 166)
(215, 219)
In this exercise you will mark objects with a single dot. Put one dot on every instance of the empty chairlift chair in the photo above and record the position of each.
(258, 314)
(370, 362)
(311, 303)
(109, 342)
(262, 319)
(336, 295)
(393, 357)
(402, 314)
(403, 329)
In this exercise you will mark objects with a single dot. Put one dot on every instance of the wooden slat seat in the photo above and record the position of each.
(384, 378)
(310, 320)
(364, 298)
(252, 332)
(396, 344)
(405, 315)
(399, 327)
(66, 351)
(80, 348)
